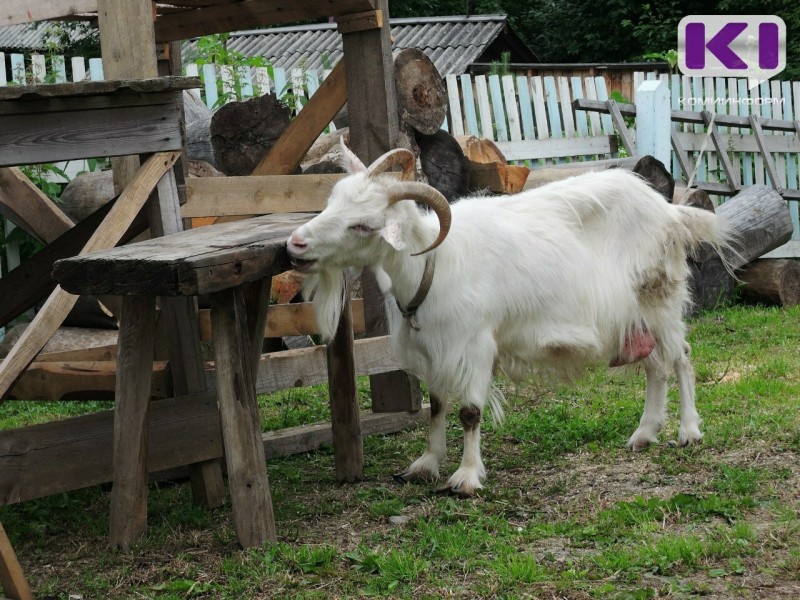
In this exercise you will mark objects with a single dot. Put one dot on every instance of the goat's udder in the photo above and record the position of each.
(638, 345)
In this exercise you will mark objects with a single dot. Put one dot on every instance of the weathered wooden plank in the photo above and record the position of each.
(469, 105)
(12, 579)
(82, 380)
(60, 302)
(24, 11)
(484, 108)
(128, 519)
(594, 118)
(566, 106)
(191, 262)
(25, 205)
(372, 19)
(525, 107)
(225, 196)
(70, 454)
(298, 319)
(50, 137)
(580, 116)
(454, 101)
(557, 147)
(251, 501)
(551, 100)
(250, 14)
(512, 113)
(308, 366)
(765, 153)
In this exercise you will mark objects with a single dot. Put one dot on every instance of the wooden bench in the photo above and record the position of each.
(233, 263)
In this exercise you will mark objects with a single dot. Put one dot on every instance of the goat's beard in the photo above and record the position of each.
(327, 289)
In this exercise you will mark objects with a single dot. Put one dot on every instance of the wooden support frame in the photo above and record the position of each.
(12, 579)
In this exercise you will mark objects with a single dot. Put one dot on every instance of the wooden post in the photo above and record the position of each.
(127, 43)
(374, 130)
(653, 120)
(348, 449)
(131, 427)
(241, 423)
(12, 579)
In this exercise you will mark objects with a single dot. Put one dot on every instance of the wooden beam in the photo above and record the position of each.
(82, 380)
(12, 579)
(238, 196)
(14, 12)
(372, 19)
(58, 305)
(322, 107)
(26, 205)
(251, 501)
(128, 521)
(250, 14)
(70, 454)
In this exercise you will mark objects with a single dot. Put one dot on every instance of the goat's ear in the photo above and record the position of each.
(350, 162)
(392, 232)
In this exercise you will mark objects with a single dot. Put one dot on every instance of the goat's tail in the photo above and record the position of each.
(709, 230)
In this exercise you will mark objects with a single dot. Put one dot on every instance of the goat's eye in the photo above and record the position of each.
(361, 228)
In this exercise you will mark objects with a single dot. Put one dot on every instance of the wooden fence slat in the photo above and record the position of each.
(469, 105)
(297, 88)
(78, 68)
(210, 85)
(778, 113)
(454, 100)
(497, 108)
(18, 69)
(59, 68)
(227, 76)
(553, 113)
(744, 111)
(758, 159)
(675, 103)
(261, 80)
(96, 69)
(38, 68)
(312, 82)
(525, 108)
(245, 82)
(512, 113)
(696, 92)
(3, 79)
(638, 78)
(539, 110)
(602, 94)
(280, 82)
(566, 106)
(580, 115)
(594, 117)
(714, 171)
(794, 207)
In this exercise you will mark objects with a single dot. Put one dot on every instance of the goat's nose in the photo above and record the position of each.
(296, 242)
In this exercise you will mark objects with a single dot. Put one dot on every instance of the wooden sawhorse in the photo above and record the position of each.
(233, 263)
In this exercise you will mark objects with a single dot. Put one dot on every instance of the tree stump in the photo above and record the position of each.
(656, 174)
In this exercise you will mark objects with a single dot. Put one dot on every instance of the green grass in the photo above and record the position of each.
(567, 512)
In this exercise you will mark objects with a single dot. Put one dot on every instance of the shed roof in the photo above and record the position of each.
(452, 43)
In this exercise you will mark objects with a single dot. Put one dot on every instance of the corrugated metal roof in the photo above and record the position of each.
(452, 43)
(29, 37)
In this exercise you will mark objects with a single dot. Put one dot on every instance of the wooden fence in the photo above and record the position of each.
(531, 118)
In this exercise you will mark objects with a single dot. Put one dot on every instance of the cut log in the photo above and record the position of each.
(773, 281)
(444, 164)
(760, 220)
(243, 132)
(201, 168)
(656, 174)
(421, 94)
(86, 193)
(480, 150)
(497, 177)
(694, 197)
(198, 140)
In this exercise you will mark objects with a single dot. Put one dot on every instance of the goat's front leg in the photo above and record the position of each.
(467, 479)
(426, 467)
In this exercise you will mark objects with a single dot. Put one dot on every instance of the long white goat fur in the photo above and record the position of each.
(552, 279)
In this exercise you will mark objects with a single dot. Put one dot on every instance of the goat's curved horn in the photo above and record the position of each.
(400, 156)
(421, 192)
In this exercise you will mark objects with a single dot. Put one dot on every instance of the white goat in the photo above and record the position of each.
(589, 270)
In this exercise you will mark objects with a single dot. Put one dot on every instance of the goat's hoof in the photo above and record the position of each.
(640, 440)
(409, 476)
(689, 439)
(458, 492)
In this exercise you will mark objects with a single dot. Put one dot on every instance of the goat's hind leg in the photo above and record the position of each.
(426, 467)
(689, 432)
(655, 406)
